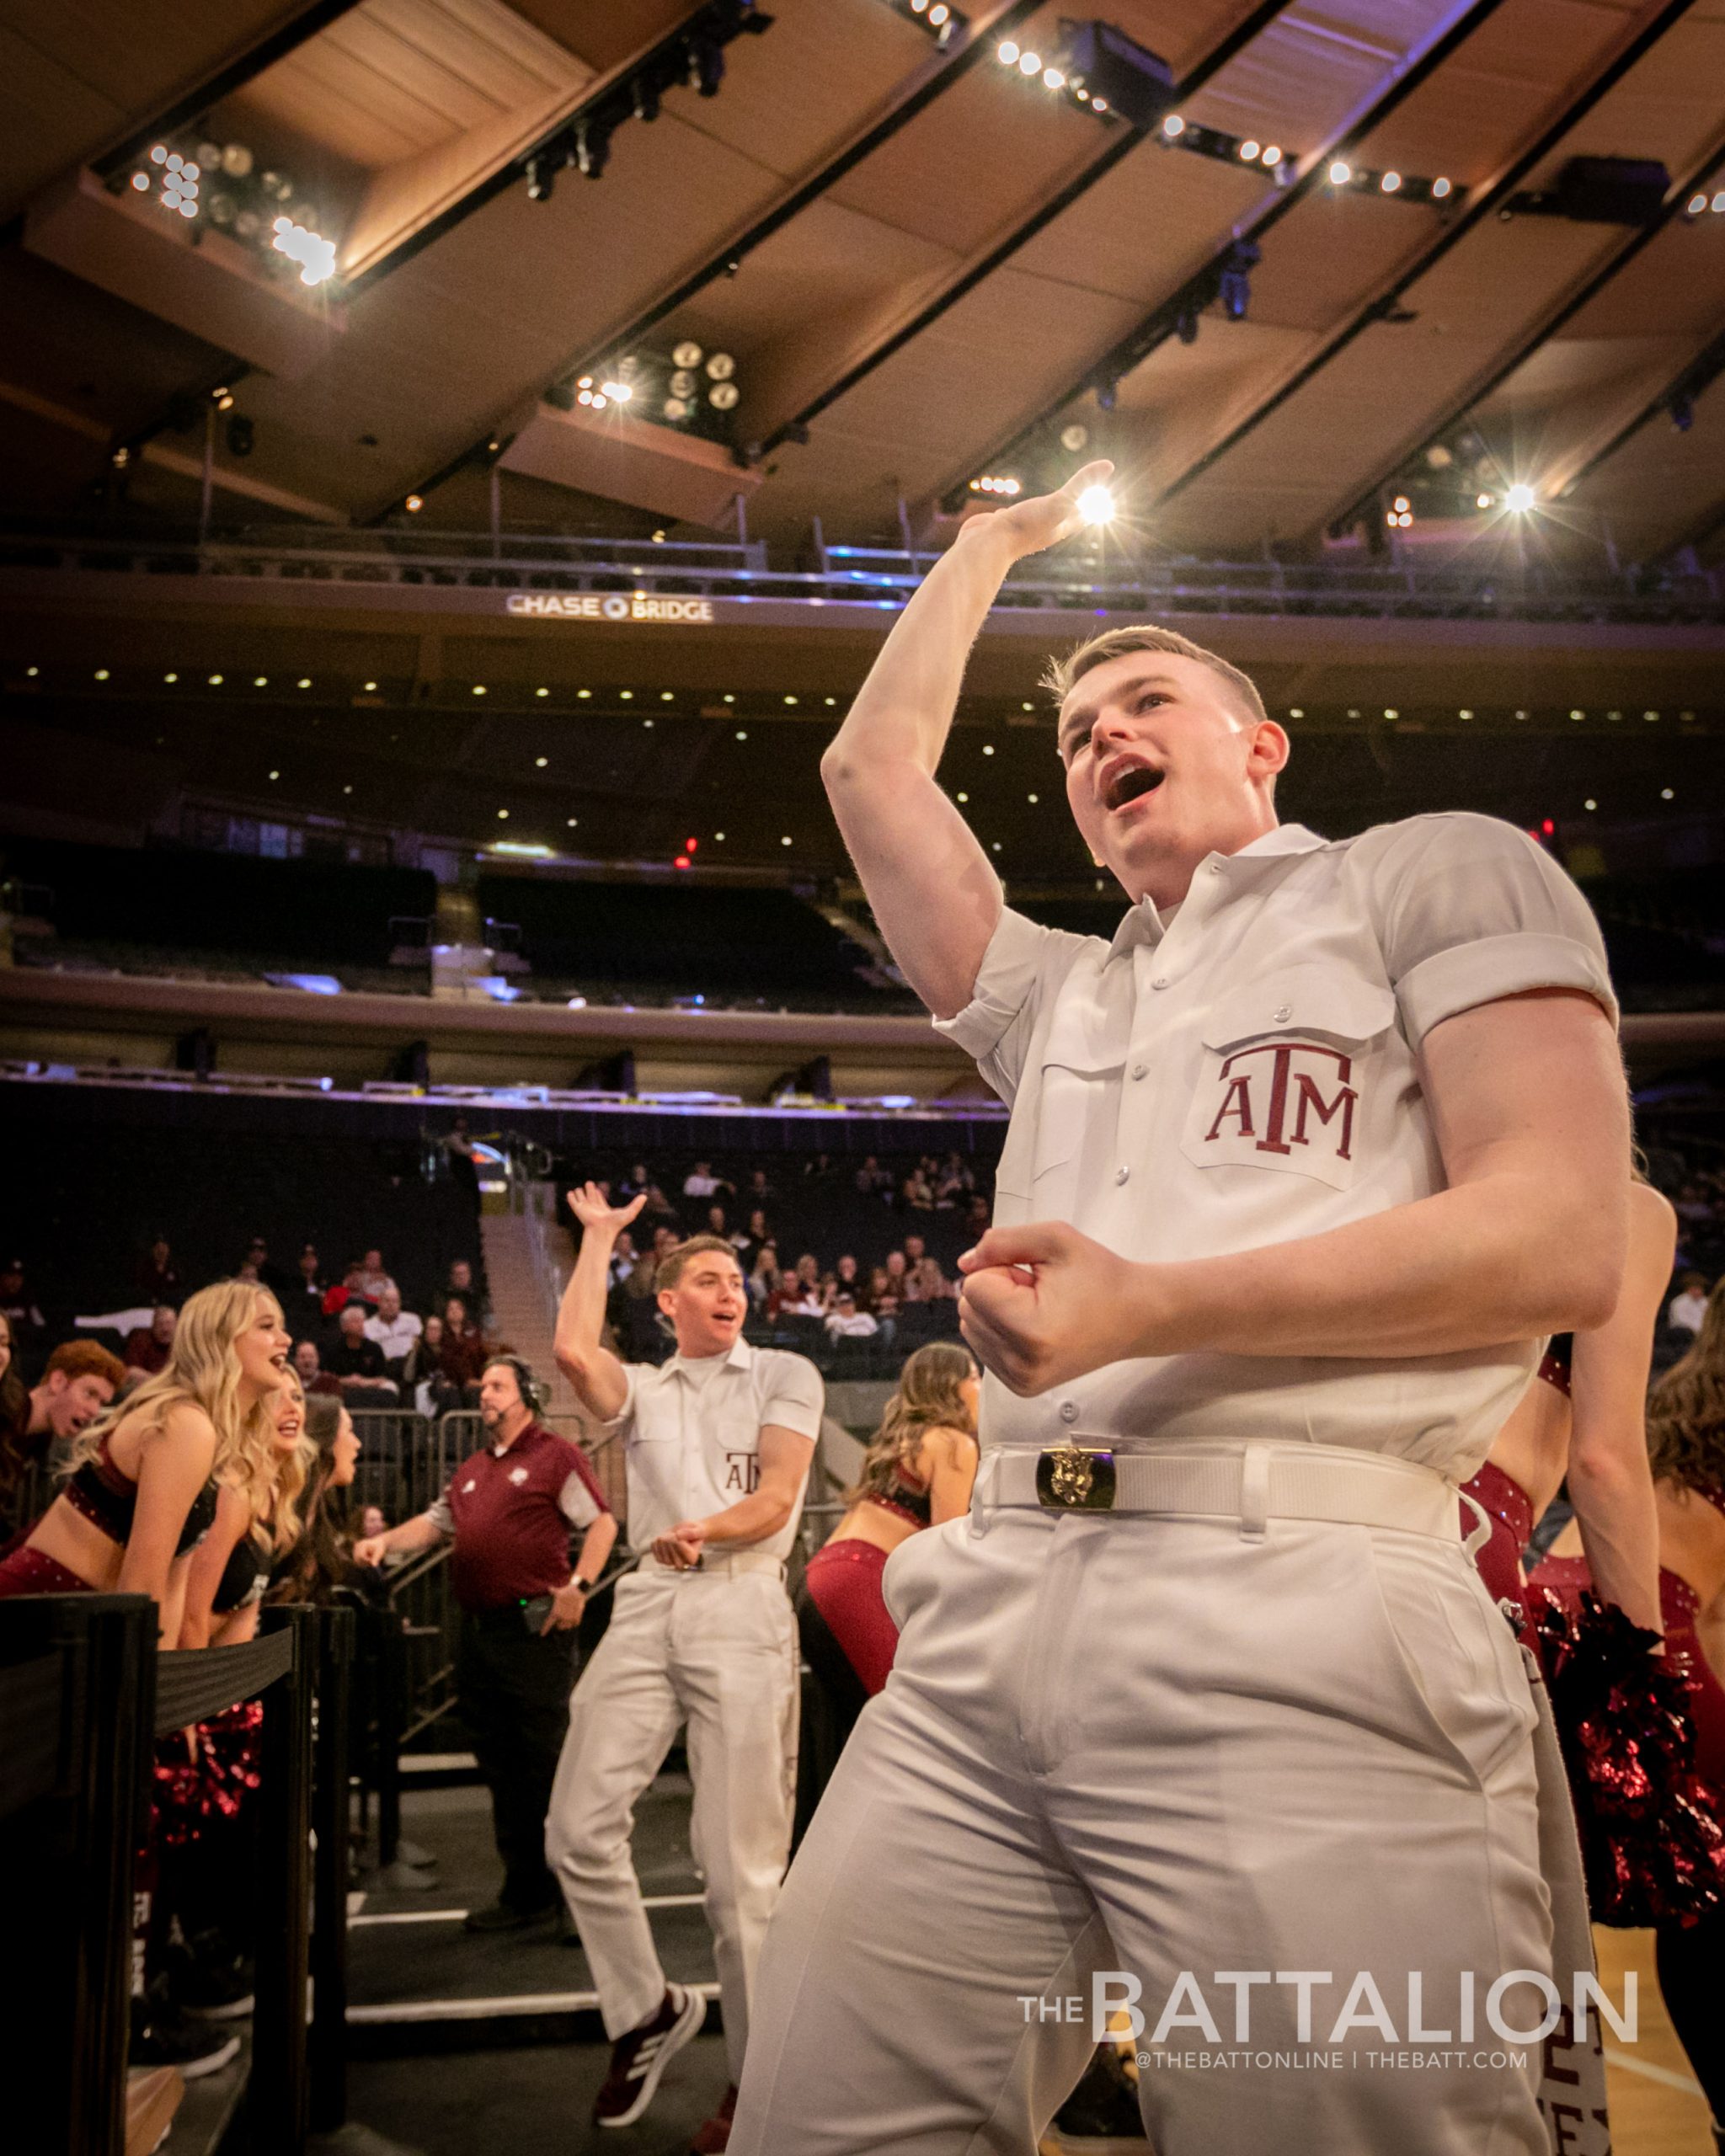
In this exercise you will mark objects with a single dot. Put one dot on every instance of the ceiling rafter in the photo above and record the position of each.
(1697, 375)
(1121, 141)
(1480, 203)
(1549, 325)
(1164, 320)
(918, 90)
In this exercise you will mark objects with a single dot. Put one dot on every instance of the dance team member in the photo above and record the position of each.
(718, 1443)
(917, 1472)
(1585, 1420)
(1302, 1167)
(322, 1558)
(142, 1483)
(1685, 1438)
(230, 1567)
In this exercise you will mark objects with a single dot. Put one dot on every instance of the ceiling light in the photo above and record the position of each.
(1296, 711)
(964, 797)
(1650, 714)
(540, 762)
(1096, 505)
(1031, 797)
(790, 700)
(141, 180)
(1519, 498)
(1440, 189)
(260, 680)
(1173, 125)
(626, 696)
(619, 391)
(741, 736)
(165, 677)
(785, 841)
(988, 748)
(276, 774)
(1052, 78)
(413, 503)
(478, 688)
(1008, 56)
(215, 681)
(1390, 182)
(1464, 714)
(1029, 63)
(1666, 794)
(718, 837)
(101, 672)
(1249, 150)
(542, 692)
(1273, 155)
(1590, 804)
(572, 822)
(582, 695)
(503, 815)
(1340, 174)
(1483, 501)
(369, 687)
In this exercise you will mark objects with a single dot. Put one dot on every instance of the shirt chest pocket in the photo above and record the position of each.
(1070, 1116)
(1285, 1074)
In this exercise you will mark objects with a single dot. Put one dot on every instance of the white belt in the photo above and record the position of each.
(712, 1561)
(1251, 1483)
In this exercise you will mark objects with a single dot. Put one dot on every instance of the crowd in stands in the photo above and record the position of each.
(853, 1264)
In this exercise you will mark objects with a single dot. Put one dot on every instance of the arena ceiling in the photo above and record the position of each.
(926, 264)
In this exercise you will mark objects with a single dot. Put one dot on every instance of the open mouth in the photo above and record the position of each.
(280, 1360)
(1132, 784)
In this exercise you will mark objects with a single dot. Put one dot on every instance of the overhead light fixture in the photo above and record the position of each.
(1519, 498)
(413, 504)
(1341, 172)
(1096, 505)
(1249, 150)
(1441, 188)
(1390, 182)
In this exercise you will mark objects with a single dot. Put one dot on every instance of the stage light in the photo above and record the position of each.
(275, 775)
(1666, 794)
(1008, 54)
(573, 822)
(1249, 150)
(141, 180)
(582, 695)
(1482, 501)
(1650, 714)
(939, 14)
(724, 396)
(1519, 500)
(304, 681)
(260, 680)
(371, 685)
(503, 815)
(619, 391)
(988, 748)
(101, 672)
(719, 838)
(1052, 78)
(785, 841)
(1577, 714)
(1273, 155)
(1096, 505)
(215, 681)
(1464, 714)
(540, 762)
(741, 734)
(1440, 189)
(1590, 804)
(962, 797)
(1401, 502)
(1029, 63)
(790, 700)
(165, 677)
(478, 688)
(413, 504)
(1340, 174)
(1032, 798)
(1173, 126)
(159, 155)
(666, 696)
(692, 846)
(626, 696)
(1390, 182)
(599, 401)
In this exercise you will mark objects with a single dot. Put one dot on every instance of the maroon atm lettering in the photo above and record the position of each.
(742, 1472)
(1288, 1085)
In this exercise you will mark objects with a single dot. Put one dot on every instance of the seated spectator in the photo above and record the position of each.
(624, 1257)
(17, 1306)
(373, 1279)
(819, 1170)
(799, 1292)
(358, 1362)
(762, 1281)
(147, 1349)
(635, 1184)
(372, 1521)
(846, 1275)
(658, 1212)
(953, 1184)
(422, 1376)
(157, 1277)
(925, 1282)
(717, 1224)
(463, 1354)
(915, 1194)
(845, 1322)
(303, 1305)
(308, 1367)
(898, 1269)
(461, 1282)
(883, 1299)
(976, 1215)
(1689, 1306)
(347, 1291)
(759, 1192)
(394, 1329)
(266, 1274)
(701, 1182)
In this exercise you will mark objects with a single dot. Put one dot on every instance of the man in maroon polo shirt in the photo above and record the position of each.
(509, 1510)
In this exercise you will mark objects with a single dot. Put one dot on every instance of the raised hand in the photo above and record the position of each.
(1026, 527)
(593, 1209)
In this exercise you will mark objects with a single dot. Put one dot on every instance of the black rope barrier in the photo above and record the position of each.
(196, 1684)
(29, 1715)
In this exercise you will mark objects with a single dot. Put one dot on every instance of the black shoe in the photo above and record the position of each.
(213, 1986)
(170, 2038)
(505, 1916)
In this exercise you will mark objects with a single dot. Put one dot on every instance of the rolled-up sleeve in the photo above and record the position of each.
(1473, 911)
(794, 1397)
(995, 1026)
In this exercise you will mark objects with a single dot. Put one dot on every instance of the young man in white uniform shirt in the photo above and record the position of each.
(719, 1442)
(1206, 1690)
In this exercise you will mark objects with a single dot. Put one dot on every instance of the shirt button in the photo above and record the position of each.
(1139, 1069)
(1069, 1410)
(1283, 1013)
(1121, 1174)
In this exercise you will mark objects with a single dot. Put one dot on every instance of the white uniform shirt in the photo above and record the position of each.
(1245, 1074)
(395, 1336)
(691, 1437)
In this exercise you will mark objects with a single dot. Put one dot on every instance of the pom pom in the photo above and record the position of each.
(1651, 1840)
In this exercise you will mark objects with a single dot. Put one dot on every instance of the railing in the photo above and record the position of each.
(84, 1692)
(1463, 587)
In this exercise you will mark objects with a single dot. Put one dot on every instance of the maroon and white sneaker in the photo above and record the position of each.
(638, 2058)
(713, 2138)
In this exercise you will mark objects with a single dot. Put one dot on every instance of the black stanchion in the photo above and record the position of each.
(278, 2106)
(327, 2045)
(77, 1821)
(391, 1722)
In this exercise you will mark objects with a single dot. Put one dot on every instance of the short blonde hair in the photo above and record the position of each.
(1062, 675)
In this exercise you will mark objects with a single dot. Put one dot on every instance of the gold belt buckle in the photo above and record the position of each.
(1076, 1478)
